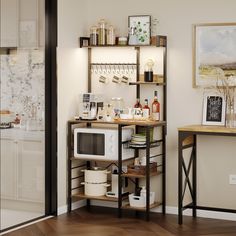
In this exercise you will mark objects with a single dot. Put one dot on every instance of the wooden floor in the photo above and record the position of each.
(104, 222)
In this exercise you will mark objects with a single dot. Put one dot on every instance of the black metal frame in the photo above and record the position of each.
(120, 161)
(148, 146)
(51, 107)
(186, 168)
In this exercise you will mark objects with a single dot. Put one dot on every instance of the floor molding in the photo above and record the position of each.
(169, 210)
(23, 226)
(75, 205)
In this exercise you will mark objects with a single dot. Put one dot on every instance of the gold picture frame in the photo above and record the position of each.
(214, 53)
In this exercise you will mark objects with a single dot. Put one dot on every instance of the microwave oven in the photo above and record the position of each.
(101, 143)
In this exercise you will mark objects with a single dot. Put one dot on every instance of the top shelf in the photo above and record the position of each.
(84, 43)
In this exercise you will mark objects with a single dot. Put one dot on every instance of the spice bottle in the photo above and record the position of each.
(93, 36)
(143, 191)
(111, 35)
(102, 32)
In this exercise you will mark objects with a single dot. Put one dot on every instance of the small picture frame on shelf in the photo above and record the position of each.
(142, 28)
(84, 42)
(214, 109)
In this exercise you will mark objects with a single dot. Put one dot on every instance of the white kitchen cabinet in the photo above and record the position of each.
(31, 171)
(8, 169)
(31, 23)
(22, 170)
(9, 15)
(22, 23)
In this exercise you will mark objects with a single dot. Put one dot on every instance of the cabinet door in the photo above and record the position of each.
(31, 171)
(28, 23)
(9, 23)
(8, 169)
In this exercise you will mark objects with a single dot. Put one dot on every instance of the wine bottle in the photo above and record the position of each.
(155, 108)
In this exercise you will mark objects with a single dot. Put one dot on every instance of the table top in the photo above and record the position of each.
(208, 129)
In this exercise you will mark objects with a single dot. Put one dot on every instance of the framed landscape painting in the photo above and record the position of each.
(214, 54)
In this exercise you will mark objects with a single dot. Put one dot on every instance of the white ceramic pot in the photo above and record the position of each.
(95, 190)
(95, 175)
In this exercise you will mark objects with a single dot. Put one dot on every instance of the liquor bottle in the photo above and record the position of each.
(156, 108)
(137, 104)
(146, 107)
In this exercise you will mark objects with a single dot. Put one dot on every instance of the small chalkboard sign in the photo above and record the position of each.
(213, 109)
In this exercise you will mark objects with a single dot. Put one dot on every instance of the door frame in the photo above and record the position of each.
(50, 107)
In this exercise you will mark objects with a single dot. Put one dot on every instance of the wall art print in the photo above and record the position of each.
(142, 26)
(214, 54)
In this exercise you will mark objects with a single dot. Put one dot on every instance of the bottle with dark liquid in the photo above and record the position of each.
(155, 108)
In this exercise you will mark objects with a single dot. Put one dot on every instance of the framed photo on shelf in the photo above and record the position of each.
(142, 26)
(214, 56)
(214, 109)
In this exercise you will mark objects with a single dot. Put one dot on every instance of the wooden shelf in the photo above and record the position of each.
(159, 43)
(101, 198)
(155, 204)
(146, 83)
(208, 129)
(127, 122)
(97, 159)
(142, 176)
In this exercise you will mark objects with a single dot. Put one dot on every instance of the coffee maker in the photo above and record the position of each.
(88, 105)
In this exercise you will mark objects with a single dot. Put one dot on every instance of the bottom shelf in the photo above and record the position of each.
(155, 204)
(101, 198)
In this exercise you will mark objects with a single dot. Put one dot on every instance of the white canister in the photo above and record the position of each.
(95, 190)
(95, 175)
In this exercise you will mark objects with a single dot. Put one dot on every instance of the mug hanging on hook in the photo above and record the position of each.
(103, 79)
(115, 79)
(124, 79)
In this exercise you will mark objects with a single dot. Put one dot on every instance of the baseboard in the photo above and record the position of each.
(169, 210)
(75, 205)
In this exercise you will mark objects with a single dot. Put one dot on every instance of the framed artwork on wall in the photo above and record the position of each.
(214, 109)
(214, 54)
(142, 28)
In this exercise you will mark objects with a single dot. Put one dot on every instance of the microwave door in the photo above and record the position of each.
(91, 144)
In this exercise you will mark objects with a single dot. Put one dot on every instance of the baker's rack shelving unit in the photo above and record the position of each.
(159, 80)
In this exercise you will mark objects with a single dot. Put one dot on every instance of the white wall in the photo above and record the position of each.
(71, 77)
(184, 102)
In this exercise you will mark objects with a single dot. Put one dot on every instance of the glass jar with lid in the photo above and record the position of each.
(111, 40)
(118, 106)
(93, 36)
(102, 32)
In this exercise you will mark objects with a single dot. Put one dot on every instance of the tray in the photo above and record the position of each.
(141, 170)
